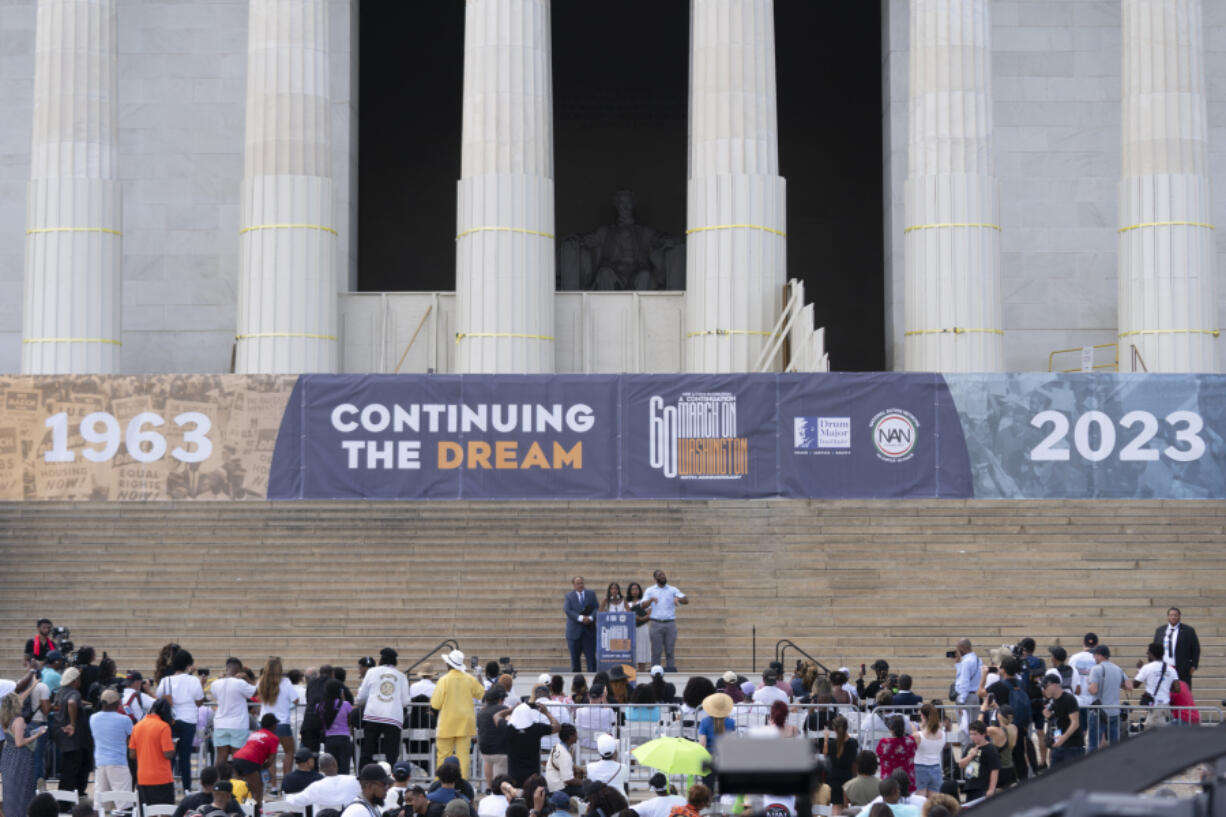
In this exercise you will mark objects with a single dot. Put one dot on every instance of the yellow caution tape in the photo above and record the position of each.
(503, 230)
(1167, 224)
(72, 340)
(284, 335)
(957, 330)
(107, 230)
(771, 230)
(951, 224)
(255, 227)
(459, 336)
(730, 332)
(1214, 332)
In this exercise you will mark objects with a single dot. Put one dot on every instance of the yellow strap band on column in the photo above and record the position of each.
(308, 335)
(730, 332)
(986, 226)
(1167, 224)
(320, 227)
(957, 330)
(107, 230)
(72, 340)
(459, 336)
(1214, 332)
(503, 230)
(770, 230)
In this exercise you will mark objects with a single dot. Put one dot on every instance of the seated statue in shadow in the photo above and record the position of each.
(624, 255)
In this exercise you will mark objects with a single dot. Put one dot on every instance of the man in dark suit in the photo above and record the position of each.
(1180, 645)
(580, 607)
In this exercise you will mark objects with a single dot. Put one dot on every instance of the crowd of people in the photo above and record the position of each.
(1011, 716)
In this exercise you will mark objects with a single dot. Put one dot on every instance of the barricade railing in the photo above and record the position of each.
(635, 724)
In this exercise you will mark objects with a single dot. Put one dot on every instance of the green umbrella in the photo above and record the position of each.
(673, 756)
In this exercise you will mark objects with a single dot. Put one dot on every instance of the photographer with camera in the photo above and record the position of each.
(1065, 737)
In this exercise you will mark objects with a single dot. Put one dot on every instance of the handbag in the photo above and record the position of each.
(953, 691)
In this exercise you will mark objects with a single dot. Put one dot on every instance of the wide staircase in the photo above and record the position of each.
(850, 582)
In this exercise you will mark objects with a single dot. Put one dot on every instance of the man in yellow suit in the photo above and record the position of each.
(457, 719)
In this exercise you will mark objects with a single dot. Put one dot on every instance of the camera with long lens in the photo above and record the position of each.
(504, 662)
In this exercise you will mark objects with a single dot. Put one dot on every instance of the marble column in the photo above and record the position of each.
(1167, 297)
(505, 206)
(736, 245)
(287, 301)
(953, 305)
(73, 276)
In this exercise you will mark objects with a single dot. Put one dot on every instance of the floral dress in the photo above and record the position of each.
(898, 753)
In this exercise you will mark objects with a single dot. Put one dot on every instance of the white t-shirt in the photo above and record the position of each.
(232, 694)
(591, 721)
(766, 696)
(287, 694)
(494, 805)
(1150, 674)
(659, 806)
(39, 694)
(184, 690)
(1082, 663)
(136, 703)
(559, 768)
(6, 686)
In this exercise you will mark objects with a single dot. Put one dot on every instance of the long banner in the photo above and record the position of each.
(832, 436)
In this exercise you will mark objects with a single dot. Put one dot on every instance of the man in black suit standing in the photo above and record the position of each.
(1180, 645)
(580, 607)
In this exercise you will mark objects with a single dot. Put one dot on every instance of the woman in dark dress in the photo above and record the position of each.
(842, 753)
(17, 759)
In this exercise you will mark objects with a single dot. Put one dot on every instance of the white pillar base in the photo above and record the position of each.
(287, 303)
(73, 279)
(736, 267)
(505, 274)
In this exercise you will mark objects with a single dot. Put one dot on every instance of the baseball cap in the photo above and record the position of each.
(303, 755)
(134, 676)
(373, 773)
(544, 678)
(54, 655)
(366, 661)
(606, 744)
(109, 696)
(658, 782)
(1103, 650)
(657, 670)
(729, 677)
(71, 674)
(402, 770)
(1090, 640)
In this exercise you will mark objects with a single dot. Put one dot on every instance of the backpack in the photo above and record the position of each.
(1020, 701)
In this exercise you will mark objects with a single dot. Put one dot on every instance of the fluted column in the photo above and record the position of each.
(1167, 296)
(73, 276)
(287, 303)
(953, 310)
(504, 220)
(736, 247)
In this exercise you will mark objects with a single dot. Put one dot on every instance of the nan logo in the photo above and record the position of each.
(821, 432)
(894, 434)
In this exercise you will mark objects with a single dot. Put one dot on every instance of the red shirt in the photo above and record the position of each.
(260, 746)
(897, 753)
(1184, 698)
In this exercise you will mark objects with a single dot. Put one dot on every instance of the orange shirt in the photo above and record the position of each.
(151, 740)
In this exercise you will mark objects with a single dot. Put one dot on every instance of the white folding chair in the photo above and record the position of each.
(69, 797)
(117, 799)
(159, 811)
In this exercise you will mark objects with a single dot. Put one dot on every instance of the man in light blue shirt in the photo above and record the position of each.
(663, 600)
(111, 731)
(967, 677)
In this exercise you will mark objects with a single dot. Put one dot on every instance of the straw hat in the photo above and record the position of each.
(718, 705)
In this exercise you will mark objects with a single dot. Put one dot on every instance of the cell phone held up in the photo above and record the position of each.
(951, 654)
